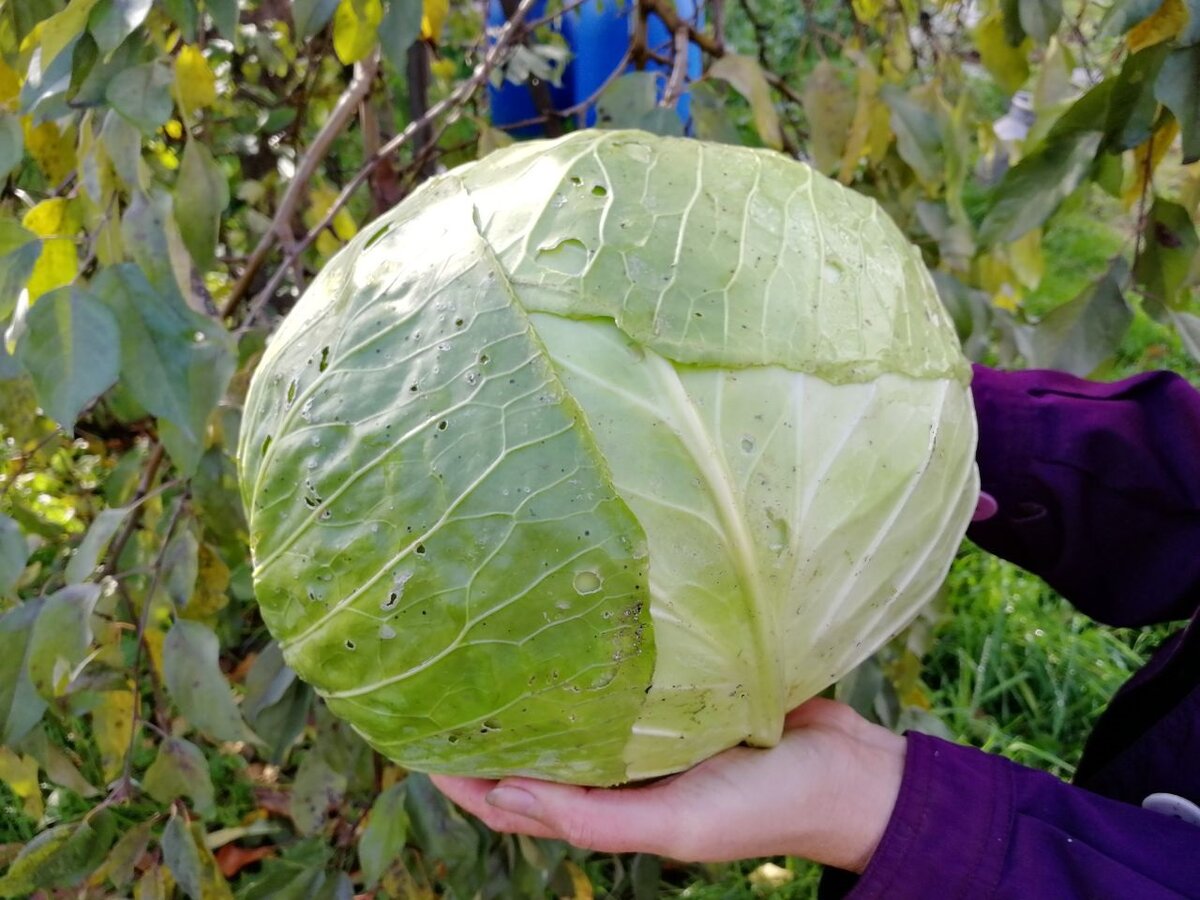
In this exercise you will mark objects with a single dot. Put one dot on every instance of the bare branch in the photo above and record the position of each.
(509, 35)
(153, 462)
(343, 112)
(678, 69)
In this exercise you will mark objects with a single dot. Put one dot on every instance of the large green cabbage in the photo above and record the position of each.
(595, 457)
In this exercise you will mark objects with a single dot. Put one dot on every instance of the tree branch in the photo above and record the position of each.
(135, 516)
(678, 69)
(343, 112)
(508, 36)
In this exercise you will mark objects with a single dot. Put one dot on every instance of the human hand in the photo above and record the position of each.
(825, 792)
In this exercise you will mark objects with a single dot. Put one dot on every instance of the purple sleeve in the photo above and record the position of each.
(968, 824)
(1098, 488)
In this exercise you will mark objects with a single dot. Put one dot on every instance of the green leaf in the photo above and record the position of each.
(225, 16)
(142, 94)
(12, 143)
(1085, 331)
(630, 102)
(1125, 14)
(442, 832)
(201, 195)
(61, 637)
(1031, 191)
(186, 15)
(1178, 89)
(1190, 34)
(14, 551)
(1040, 18)
(276, 703)
(95, 542)
(47, 81)
(1188, 326)
(59, 856)
(297, 875)
(123, 146)
(385, 835)
(1169, 247)
(180, 567)
(1132, 108)
(317, 787)
(180, 770)
(148, 229)
(69, 347)
(310, 16)
(918, 134)
(748, 79)
(20, 706)
(191, 862)
(111, 21)
(120, 867)
(175, 362)
(401, 26)
(196, 684)
(19, 252)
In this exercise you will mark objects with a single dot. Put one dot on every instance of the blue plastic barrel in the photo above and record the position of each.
(510, 102)
(597, 33)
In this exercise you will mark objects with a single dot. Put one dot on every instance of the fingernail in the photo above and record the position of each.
(985, 508)
(513, 800)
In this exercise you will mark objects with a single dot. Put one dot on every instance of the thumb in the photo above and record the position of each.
(608, 820)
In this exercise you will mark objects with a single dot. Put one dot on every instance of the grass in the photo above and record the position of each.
(1015, 670)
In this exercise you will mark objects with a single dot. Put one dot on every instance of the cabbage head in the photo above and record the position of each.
(594, 457)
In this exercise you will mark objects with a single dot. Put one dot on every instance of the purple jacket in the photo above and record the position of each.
(1098, 487)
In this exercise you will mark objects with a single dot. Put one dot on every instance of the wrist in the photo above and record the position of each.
(858, 801)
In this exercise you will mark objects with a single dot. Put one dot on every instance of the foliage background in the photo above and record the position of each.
(175, 173)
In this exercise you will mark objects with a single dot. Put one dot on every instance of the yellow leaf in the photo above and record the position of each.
(748, 79)
(55, 268)
(830, 110)
(860, 125)
(51, 149)
(356, 28)
(154, 638)
(112, 726)
(1166, 22)
(20, 773)
(900, 51)
(61, 28)
(868, 11)
(321, 198)
(1146, 158)
(10, 85)
(195, 83)
(443, 68)
(433, 18)
(212, 581)
(327, 244)
(1009, 65)
(1026, 259)
(581, 885)
(51, 218)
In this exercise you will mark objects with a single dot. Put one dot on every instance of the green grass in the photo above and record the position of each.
(1016, 670)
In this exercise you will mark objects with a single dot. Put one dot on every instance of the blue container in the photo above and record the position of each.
(513, 102)
(597, 33)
